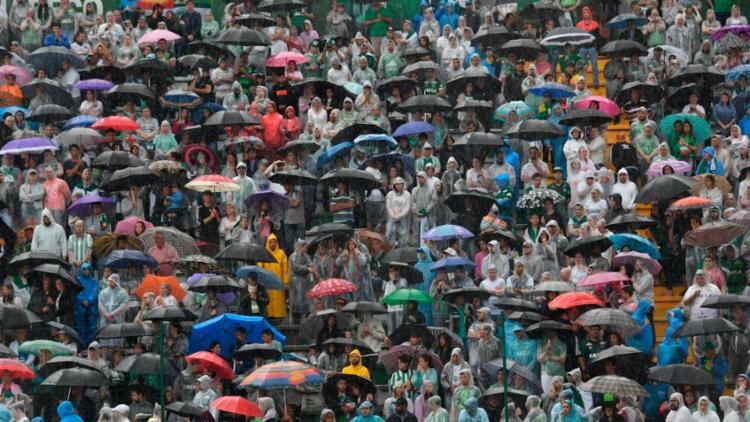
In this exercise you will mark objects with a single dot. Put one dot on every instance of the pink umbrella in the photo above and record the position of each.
(281, 59)
(602, 278)
(22, 75)
(679, 167)
(649, 264)
(605, 105)
(158, 34)
(127, 226)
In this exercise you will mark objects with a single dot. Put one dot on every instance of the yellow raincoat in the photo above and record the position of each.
(357, 369)
(277, 299)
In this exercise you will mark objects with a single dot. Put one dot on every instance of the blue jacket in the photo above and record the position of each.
(67, 412)
(427, 277)
(50, 40)
(672, 350)
(89, 293)
(644, 340)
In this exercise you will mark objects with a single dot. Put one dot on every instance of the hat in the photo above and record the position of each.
(115, 278)
(94, 345)
(122, 409)
(552, 223)
(390, 28)
(450, 251)
(241, 165)
(493, 242)
(32, 171)
(315, 43)
(365, 405)
(427, 146)
(590, 174)
(532, 66)
(367, 84)
(492, 267)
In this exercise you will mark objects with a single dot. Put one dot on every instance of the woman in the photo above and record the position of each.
(64, 302)
(228, 224)
(424, 374)
(421, 403)
(91, 106)
(292, 72)
(8, 297)
(277, 299)
(291, 127)
(330, 329)
(308, 34)
(354, 264)
(579, 270)
(87, 308)
(165, 141)
(443, 347)
(437, 413)
(317, 114)
(101, 56)
(43, 299)
(725, 114)
(254, 298)
(182, 121)
(165, 297)
(714, 274)
(301, 271)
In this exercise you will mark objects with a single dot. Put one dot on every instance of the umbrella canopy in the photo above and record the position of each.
(124, 179)
(331, 287)
(480, 201)
(468, 293)
(222, 329)
(249, 352)
(622, 21)
(567, 35)
(624, 48)
(533, 130)
(13, 316)
(613, 319)
(193, 61)
(147, 364)
(331, 153)
(16, 369)
(603, 104)
(124, 330)
(216, 283)
(353, 177)
(725, 301)
(243, 36)
(376, 138)
(179, 98)
(481, 81)
(76, 377)
(523, 47)
(283, 58)
(124, 257)
(350, 132)
(214, 183)
(211, 362)
(280, 5)
(492, 36)
(390, 358)
(299, 145)
(635, 243)
(680, 96)
(283, 374)
(312, 325)
(615, 352)
(364, 307)
(58, 363)
(115, 160)
(517, 108)
(79, 136)
(27, 145)
(630, 258)
(404, 296)
(52, 58)
(699, 74)
(413, 128)
(691, 202)
(33, 347)
(584, 245)
(446, 232)
(237, 405)
(152, 283)
(246, 252)
(680, 374)
(21, 74)
(553, 286)
(94, 85)
(705, 326)
(188, 410)
(574, 299)
(182, 242)
(80, 121)
(84, 206)
(128, 225)
(663, 188)
(605, 277)
(54, 90)
(586, 117)
(630, 221)
(650, 93)
(170, 314)
(118, 123)
(450, 263)
(50, 113)
(701, 129)
(54, 270)
(262, 276)
(296, 177)
(480, 139)
(278, 202)
(553, 90)
(231, 118)
(714, 234)
(540, 327)
(425, 104)
(153, 37)
(251, 20)
(736, 29)
(620, 386)
(36, 258)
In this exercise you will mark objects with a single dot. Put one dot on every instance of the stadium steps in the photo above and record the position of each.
(662, 305)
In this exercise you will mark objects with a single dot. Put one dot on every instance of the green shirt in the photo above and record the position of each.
(378, 29)
(431, 87)
(724, 6)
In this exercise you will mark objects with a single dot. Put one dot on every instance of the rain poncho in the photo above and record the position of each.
(710, 165)
(87, 316)
(49, 238)
(438, 415)
(644, 340)
(449, 378)
(358, 369)
(729, 405)
(535, 413)
(708, 416)
(672, 349)
(67, 412)
(371, 418)
(113, 301)
(521, 350)
(472, 412)
(277, 300)
(356, 268)
(627, 190)
(300, 282)
(682, 414)
(427, 277)
(462, 394)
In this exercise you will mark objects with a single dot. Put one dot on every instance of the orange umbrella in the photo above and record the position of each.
(149, 4)
(689, 203)
(151, 283)
(574, 299)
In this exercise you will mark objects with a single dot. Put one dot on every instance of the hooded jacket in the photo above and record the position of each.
(236, 102)
(398, 204)
(627, 189)
(87, 317)
(277, 305)
(644, 340)
(672, 350)
(682, 414)
(49, 238)
(67, 412)
(357, 369)
(710, 165)
(708, 416)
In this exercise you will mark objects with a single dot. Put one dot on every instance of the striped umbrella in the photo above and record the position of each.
(214, 183)
(331, 287)
(620, 386)
(283, 374)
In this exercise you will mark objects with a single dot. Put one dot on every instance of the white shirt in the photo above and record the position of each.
(706, 291)
(491, 286)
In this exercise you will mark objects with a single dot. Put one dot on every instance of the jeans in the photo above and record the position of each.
(592, 55)
(397, 232)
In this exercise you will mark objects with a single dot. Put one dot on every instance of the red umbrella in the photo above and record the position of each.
(281, 59)
(689, 203)
(211, 362)
(149, 4)
(331, 287)
(574, 299)
(16, 369)
(602, 278)
(237, 405)
(120, 123)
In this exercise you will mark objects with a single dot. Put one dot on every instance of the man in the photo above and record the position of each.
(512, 88)
(534, 166)
(588, 24)
(49, 236)
(57, 193)
(627, 189)
(500, 166)
(86, 185)
(138, 405)
(192, 20)
(632, 33)
(493, 284)
(562, 187)
(113, 302)
(377, 20)
(111, 30)
(237, 100)
(267, 337)
(209, 218)
(696, 294)
(149, 126)
(223, 78)
(56, 38)
(164, 253)
(281, 93)
(646, 144)
(355, 365)
(495, 258)
(79, 246)
(590, 347)
(402, 414)
(402, 376)
(366, 413)
(185, 384)
(421, 200)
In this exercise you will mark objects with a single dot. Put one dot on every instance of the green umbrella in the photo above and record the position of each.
(701, 129)
(404, 296)
(33, 347)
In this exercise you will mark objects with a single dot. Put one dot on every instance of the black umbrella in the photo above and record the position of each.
(330, 388)
(518, 396)
(313, 324)
(58, 363)
(365, 307)
(351, 132)
(189, 410)
(170, 314)
(330, 228)
(623, 221)
(243, 36)
(498, 235)
(231, 118)
(249, 352)
(404, 84)
(525, 317)
(124, 330)
(425, 104)
(5, 352)
(650, 93)
(192, 61)
(493, 36)
(705, 326)
(122, 180)
(297, 177)
(52, 58)
(567, 35)
(246, 252)
(404, 332)
(699, 74)
(12, 317)
(725, 301)
(534, 130)
(280, 5)
(680, 374)
(348, 342)
(76, 377)
(455, 340)
(69, 331)
(482, 82)
(147, 364)
(421, 67)
(251, 20)
(35, 258)
(407, 255)
(516, 304)
(50, 113)
(522, 47)
(406, 270)
(585, 244)
(54, 270)
(107, 72)
(418, 53)
(116, 160)
(57, 92)
(299, 145)
(479, 201)
(469, 293)
(352, 177)
(585, 117)
(549, 325)
(614, 352)
(216, 283)
(120, 94)
(541, 12)
(623, 47)
(154, 68)
(664, 188)
(678, 97)
(480, 139)
(478, 106)
(319, 86)
(211, 49)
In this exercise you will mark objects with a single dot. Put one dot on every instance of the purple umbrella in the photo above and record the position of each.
(225, 298)
(279, 203)
(413, 128)
(94, 85)
(84, 205)
(26, 145)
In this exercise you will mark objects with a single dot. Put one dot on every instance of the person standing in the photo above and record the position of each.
(588, 24)
(277, 298)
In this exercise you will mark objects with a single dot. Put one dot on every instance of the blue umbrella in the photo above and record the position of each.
(279, 203)
(621, 21)
(413, 128)
(83, 206)
(80, 121)
(635, 243)
(264, 277)
(450, 264)
(222, 328)
(407, 162)
(328, 156)
(179, 98)
(197, 113)
(122, 258)
(14, 109)
(737, 71)
(376, 137)
(552, 89)
(447, 231)
(522, 110)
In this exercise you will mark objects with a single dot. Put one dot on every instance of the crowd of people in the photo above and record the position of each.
(516, 183)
